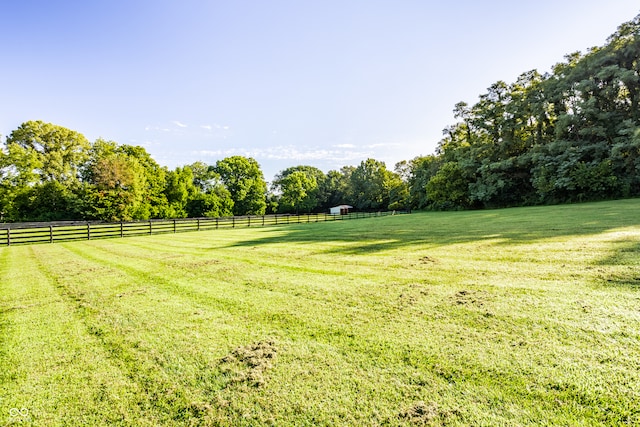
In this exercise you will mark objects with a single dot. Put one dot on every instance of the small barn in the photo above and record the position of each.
(340, 210)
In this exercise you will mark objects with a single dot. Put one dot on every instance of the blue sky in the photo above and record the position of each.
(298, 82)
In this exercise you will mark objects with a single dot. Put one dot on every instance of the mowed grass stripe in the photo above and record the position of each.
(160, 397)
(177, 350)
(229, 276)
(343, 339)
(472, 322)
(50, 364)
(211, 282)
(149, 334)
(511, 317)
(258, 307)
(285, 255)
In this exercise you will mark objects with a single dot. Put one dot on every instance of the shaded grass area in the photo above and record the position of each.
(510, 317)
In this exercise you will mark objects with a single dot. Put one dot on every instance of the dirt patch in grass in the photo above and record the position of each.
(248, 364)
(466, 297)
(406, 300)
(410, 296)
(421, 413)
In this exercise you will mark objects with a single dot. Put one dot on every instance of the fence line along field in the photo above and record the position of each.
(63, 231)
(526, 316)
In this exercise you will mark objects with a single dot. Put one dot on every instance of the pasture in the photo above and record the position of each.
(527, 316)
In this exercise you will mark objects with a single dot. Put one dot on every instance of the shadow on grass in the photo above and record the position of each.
(624, 253)
(514, 226)
(505, 226)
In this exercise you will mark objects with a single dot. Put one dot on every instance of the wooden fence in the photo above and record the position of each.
(27, 233)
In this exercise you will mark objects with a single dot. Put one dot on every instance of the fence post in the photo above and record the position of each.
(121, 230)
(150, 228)
(263, 220)
(8, 237)
(198, 220)
(174, 226)
(248, 221)
(88, 231)
(216, 223)
(233, 221)
(276, 219)
(51, 234)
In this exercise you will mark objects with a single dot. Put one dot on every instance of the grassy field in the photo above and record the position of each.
(527, 316)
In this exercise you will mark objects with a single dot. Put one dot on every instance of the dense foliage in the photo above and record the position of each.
(569, 135)
(48, 172)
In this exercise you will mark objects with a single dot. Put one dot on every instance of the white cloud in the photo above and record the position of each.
(344, 146)
(384, 145)
(176, 126)
(156, 128)
(216, 153)
(215, 126)
(290, 152)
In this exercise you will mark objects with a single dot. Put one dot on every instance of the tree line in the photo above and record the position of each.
(48, 173)
(566, 136)
(569, 135)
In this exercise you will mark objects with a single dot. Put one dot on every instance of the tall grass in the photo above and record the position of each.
(509, 317)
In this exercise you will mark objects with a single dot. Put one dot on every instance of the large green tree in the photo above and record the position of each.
(421, 170)
(179, 189)
(300, 189)
(296, 189)
(40, 172)
(371, 183)
(210, 198)
(204, 176)
(243, 178)
(123, 182)
(116, 189)
(336, 188)
(43, 152)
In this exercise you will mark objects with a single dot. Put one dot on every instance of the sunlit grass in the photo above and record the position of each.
(508, 317)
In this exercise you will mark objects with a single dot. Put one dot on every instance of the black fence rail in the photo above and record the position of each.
(28, 233)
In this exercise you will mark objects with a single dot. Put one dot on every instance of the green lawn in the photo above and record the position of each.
(527, 316)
